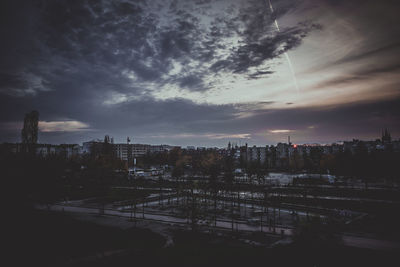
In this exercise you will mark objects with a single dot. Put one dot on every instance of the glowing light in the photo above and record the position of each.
(207, 135)
(62, 126)
(280, 131)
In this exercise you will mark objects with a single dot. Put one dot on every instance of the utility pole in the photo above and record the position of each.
(128, 151)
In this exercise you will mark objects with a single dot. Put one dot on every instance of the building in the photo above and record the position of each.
(257, 154)
(126, 151)
(63, 150)
(130, 151)
(386, 137)
(95, 147)
(282, 150)
(160, 148)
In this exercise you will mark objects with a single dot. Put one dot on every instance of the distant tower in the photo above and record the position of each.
(386, 137)
(29, 133)
(289, 140)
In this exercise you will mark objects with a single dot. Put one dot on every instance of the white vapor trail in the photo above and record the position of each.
(286, 54)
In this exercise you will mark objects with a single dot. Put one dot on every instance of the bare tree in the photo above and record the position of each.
(29, 133)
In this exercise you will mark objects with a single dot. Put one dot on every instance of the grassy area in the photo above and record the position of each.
(197, 249)
(53, 239)
(47, 239)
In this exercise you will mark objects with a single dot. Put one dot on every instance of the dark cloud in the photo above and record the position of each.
(99, 62)
(192, 82)
(392, 48)
(372, 25)
(362, 74)
(8, 81)
(171, 119)
(254, 54)
(51, 36)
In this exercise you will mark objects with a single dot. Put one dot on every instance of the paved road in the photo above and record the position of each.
(349, 240)
(163, 218)
(363, 242)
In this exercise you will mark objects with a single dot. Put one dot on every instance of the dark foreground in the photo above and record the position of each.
(52, 239)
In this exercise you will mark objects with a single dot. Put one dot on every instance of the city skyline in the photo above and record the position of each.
(30, 131)
(201, 73)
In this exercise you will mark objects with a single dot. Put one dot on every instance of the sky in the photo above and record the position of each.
(200, 72)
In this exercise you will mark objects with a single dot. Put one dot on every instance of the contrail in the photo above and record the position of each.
(286, 54)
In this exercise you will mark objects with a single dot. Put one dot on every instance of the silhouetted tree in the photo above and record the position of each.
(29, 133)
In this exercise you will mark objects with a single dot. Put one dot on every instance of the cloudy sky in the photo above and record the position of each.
(200, 72)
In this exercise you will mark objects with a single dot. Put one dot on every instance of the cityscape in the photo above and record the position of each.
(282, 156)
(200, 132)
(279, 197)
